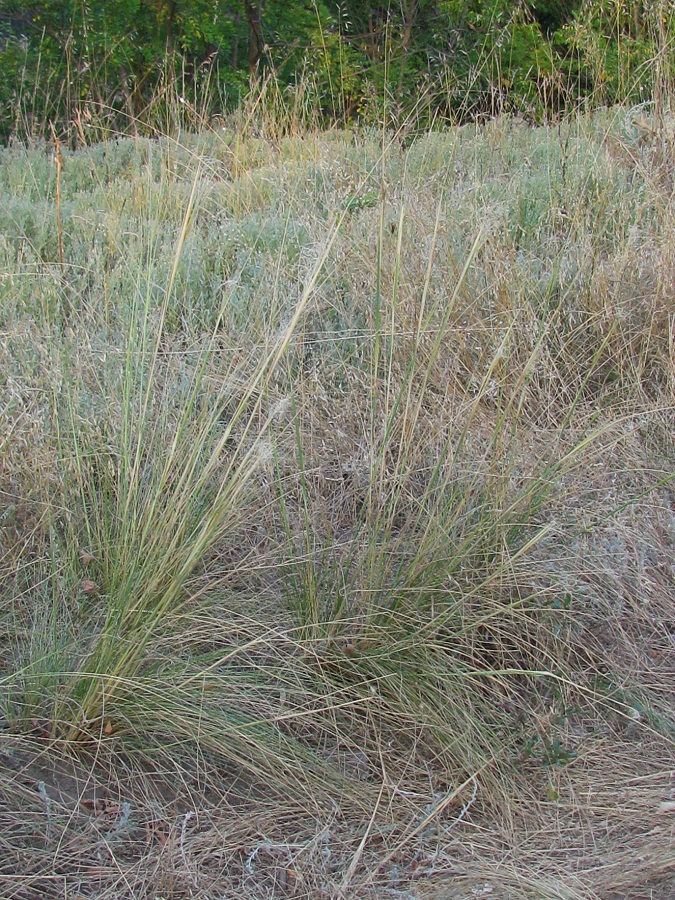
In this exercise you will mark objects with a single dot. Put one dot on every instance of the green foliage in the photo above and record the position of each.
(120, 65)
(614, 46)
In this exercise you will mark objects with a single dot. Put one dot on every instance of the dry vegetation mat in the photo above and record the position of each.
(337, 515)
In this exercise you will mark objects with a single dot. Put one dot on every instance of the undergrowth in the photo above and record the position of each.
(336, 510)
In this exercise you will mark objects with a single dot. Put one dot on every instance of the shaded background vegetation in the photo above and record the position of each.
(116, 65)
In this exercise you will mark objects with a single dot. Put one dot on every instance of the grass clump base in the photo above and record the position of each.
(337, 518)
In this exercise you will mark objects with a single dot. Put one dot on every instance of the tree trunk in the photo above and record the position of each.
(170, 19)
(255, 41)
(409, 9)
(235, 42)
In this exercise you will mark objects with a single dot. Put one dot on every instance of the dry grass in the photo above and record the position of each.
(336, 515)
